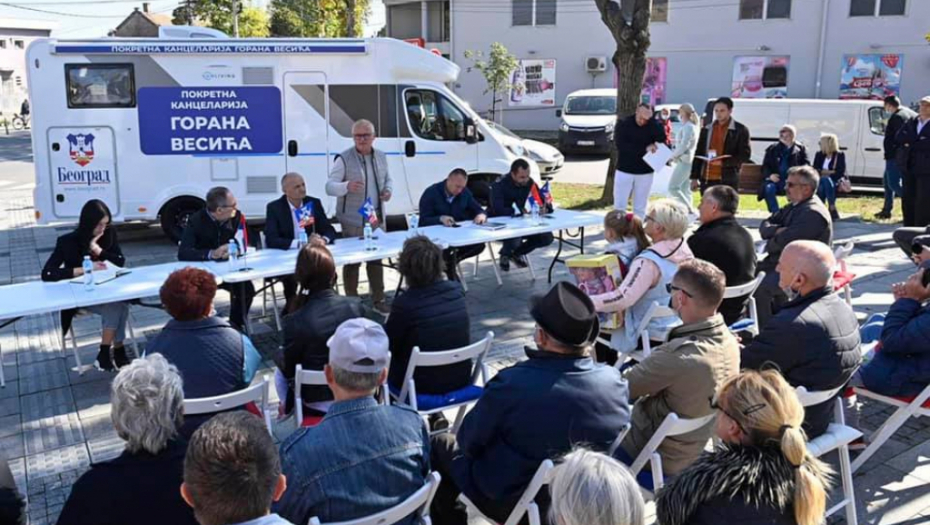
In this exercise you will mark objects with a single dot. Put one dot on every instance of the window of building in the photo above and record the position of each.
(433, 117)
(100, 85)
(764, 9)
(877, 7)
(19, 81)
(19, 44)
(534, 12)
(660, 10)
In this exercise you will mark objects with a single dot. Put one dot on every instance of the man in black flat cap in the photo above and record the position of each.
(535, 410)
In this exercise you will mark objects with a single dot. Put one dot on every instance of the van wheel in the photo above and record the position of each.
(480, 187)
(176, 213)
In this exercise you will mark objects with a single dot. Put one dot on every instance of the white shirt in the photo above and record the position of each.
(297, 228)
(826, 162)
(921, 124)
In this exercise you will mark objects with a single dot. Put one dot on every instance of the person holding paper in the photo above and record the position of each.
(634, 137)
(722, 149)
(448, 203)
(95, 238)
(679, 185)
(287, 217)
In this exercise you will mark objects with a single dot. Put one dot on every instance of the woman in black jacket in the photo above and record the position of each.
(315, 314)
(761, 473)
(431, 314)
(94, 238)
(830, 162)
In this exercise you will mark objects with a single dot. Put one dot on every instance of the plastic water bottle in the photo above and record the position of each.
(233, 255)
(414, 221)
(367, 235)
(302, 240)
(535, 213)
(88, 267)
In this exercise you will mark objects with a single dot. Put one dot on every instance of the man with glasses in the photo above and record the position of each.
(682, 374)
(206, 238)
(358, 174)
(804, 218)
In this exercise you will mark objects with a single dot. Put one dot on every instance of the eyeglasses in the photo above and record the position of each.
(363, 136)
(672, 288)
(715, 405)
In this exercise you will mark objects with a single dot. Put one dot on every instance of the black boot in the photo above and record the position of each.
(120, 359)
(103, 362)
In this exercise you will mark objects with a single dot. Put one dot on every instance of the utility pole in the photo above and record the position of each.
(235, 14)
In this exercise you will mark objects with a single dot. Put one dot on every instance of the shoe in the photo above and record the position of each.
(835, 215)
(382, 307)
(438, 422)
(858, 444)
(883, 215)
(520, 261)
(120, 359)
(504, 263)
(103, 361)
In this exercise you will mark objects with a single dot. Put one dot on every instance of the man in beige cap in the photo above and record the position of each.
(359, 443)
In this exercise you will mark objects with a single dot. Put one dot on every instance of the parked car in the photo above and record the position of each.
(547, 158)
(588, 119)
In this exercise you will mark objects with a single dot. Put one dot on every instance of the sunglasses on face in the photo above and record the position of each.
(363, 136)
(672, 288)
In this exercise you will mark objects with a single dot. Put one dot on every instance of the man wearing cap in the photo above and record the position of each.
(535, 410)
(363, 457)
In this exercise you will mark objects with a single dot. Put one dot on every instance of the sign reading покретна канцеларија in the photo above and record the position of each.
(210, 120)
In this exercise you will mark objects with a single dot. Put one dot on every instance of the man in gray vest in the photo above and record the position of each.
(358, 174)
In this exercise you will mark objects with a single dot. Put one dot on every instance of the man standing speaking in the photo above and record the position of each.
(634, 136)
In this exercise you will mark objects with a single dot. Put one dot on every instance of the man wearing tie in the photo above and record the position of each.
(286, 217)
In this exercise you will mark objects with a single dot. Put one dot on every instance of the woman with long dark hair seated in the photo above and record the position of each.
(93, 237)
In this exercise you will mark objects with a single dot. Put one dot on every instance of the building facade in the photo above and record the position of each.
(15, 37)
(141, 23)
(700, 49)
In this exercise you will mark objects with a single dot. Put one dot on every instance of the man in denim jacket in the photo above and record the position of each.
(362, 458)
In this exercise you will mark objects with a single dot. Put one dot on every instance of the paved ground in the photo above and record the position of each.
(54, 422)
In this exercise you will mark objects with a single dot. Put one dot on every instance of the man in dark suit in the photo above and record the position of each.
(206, 238)
(729, 140)
(897, 117)
(508, 198)
(913, 157)
(448, 203)
(287, 216)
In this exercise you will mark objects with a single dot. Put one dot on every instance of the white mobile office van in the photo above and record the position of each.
(859, 124)
(149, 125)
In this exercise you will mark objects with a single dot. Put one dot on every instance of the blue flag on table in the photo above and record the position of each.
(546, 194)
(368, 213)
(304, 215)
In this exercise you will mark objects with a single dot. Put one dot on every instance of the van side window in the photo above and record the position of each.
(100, 85)
(877, 120)
(433, 117)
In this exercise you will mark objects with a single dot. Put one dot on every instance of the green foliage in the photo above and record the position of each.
(497, 70)
(217, 14)
(316, 18)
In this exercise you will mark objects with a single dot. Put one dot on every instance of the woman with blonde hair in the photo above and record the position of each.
(679, 185)
(830, 162)
(590, 488)
(761, 472)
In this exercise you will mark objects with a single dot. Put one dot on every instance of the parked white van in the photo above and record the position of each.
(588, 120)
(859, 124)
(149, 125)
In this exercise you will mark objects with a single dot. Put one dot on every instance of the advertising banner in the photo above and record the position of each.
(654, 81)
(533, 84)
(870, 76)
(210, 120)
(760, 77)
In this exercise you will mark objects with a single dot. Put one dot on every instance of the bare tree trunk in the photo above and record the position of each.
(629, 25)
(350, 19)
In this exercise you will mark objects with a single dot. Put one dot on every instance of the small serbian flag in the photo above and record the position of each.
(531, 201)
(304, 215)
(535, 195)
(368, 213)
(546, 194)
(242, 235)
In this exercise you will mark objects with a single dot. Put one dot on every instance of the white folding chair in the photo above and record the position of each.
(318, 378)
(748, 289)
(527, 502)
(918, 407)
(81, 368)
(418, 503)
(259, 394)
(837, 437)
(497, 272)
(671, 426)
(477, 351)
(656, 311)
(269, 284)
(841, 276)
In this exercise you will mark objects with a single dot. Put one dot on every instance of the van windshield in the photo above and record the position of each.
(591, 106)
(502, 130)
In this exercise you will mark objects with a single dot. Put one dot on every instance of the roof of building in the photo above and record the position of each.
(155, 19)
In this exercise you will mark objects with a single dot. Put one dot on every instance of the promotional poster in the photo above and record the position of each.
(533, 84)
(760, 77)
(870, 77)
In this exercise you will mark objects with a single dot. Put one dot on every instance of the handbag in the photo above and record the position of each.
(844, 186)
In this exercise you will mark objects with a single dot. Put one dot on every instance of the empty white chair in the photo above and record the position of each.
(527, 502)
(748, 289)
(842, 278)
(919, 406)
(469, 394)
(259, 394)
(837, 437)
(417, 503)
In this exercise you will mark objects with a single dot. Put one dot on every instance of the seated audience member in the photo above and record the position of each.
(906, 238)
(363, 457)
(232, 472)
(830, 162)
(140, 486)
(206, 238)
(315, 314)
(535, 410)
(448, 203)
(804, 218)
(93, 237)
(431, 314)
(508, 196)
(625, 236)
(213, 357)
(293, 213)
(761, 471)
(779, 159)
(590, 488)
(12, 503)
(665, 223)
(814, 339)
(723, 242)
(682, 374)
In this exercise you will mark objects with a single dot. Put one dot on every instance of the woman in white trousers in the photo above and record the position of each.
(679, 185)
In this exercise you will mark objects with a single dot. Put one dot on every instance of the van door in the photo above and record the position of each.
(82, 166)
(306, 131)
(436, 142)
(870, 157)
